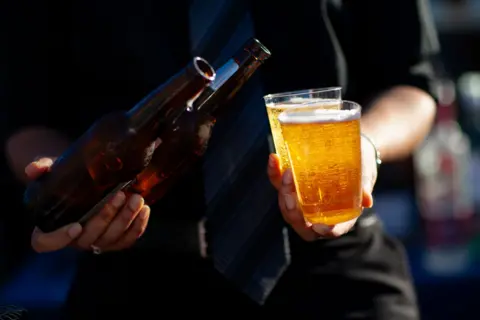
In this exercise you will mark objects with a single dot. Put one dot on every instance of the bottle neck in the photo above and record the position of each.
(169, 101)
(229, 80)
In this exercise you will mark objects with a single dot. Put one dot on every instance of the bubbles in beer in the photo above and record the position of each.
(325, 156)
(294, 105)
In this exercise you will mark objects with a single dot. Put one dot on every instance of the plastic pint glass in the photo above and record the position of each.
(277, 103)
(323, 146)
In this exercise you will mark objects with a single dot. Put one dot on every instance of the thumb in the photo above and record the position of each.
(56, 240)
(273, 171)
(36, 168)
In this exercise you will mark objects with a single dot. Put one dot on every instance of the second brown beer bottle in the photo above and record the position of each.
(112, 152)
(187, 139)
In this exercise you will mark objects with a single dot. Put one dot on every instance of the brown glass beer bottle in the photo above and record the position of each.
(112, 152)
(187, 139)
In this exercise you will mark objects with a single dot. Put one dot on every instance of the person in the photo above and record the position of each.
(81, 59)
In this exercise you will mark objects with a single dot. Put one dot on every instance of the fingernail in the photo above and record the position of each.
(135, 202)
(118, 200)
(74, 231)
(322, 229)
(143, 214)
(271, 161)
(287, 177)
(290, 202)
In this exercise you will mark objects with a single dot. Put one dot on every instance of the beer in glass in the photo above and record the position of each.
(309, 99)
(323, 147)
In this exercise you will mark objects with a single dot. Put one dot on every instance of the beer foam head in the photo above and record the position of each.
(318, 116)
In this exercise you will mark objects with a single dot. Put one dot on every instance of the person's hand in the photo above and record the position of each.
(287, 197)
(116, 227)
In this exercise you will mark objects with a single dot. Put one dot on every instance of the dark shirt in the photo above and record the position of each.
(70, 63)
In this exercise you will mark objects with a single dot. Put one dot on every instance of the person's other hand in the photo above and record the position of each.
(287, 197)
(116, 227)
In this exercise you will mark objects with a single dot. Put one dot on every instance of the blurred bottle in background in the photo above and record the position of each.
(469, 99)
(445, 189)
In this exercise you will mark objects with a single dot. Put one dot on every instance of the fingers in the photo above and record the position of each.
(121, 222)
(273, 170)
(38, 167)
(99, 223)
(287, 200)
(56, 240)
(335, 231)
(135, 231)
(292, 214)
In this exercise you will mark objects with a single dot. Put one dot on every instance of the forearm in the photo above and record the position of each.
(398, 121)
(28, 143)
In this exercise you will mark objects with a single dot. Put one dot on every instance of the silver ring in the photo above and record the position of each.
(95, 249)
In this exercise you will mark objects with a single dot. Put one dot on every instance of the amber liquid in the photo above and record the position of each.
(325, 156)
(182, 145)
(274, 110)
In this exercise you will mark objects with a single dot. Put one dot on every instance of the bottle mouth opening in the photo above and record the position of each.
(265, 49)
(258, 50)
(204, 68)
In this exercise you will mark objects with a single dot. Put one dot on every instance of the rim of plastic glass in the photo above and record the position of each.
(357, 105)
(356, 108)
(300, 92)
